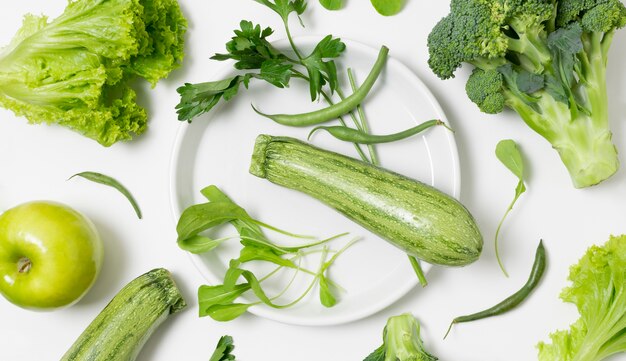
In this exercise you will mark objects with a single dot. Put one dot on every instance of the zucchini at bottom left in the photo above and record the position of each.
(119, 332)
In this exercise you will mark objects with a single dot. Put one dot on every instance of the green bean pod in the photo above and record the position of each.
(515, 299)
(338, 109)
(356, 136)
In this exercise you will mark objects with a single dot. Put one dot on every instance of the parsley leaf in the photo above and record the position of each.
(224, 349)
(249, 47)
(285, 7)
(196, 99)
(321, 71)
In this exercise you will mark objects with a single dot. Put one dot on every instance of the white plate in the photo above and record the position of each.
(216, 149)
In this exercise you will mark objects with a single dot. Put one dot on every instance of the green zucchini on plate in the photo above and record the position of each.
(119, 332)
(417, 218)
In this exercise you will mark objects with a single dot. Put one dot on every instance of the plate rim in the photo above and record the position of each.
(276, 315)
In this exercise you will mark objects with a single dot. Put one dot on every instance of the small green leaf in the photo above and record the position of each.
(332, 4)
(377, 355)
(508, 153)
(223, 350)
(108, 181)
(326, 295)
(200, 244)
(224, 313)
(388, 7)
(200, 217)
(276, 72)
(209, 296)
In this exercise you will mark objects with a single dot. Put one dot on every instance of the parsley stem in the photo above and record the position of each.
(291, 42)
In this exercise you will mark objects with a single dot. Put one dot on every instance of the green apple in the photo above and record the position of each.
(50, 255)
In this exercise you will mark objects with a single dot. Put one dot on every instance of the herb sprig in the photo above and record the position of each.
(220, 301)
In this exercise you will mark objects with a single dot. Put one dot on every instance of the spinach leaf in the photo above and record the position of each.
(388, 7)
(509, 154)
(332, 4)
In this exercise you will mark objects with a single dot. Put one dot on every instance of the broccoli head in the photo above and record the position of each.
(544, 59)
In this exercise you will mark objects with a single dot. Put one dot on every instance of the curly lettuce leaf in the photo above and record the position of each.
(598, 290)
(76, 69)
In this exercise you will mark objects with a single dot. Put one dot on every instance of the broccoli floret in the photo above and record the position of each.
(401, 341)
(484, 87)
(551, 56)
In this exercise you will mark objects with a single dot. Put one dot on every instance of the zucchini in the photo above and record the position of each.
(119, 332)
(417, 218)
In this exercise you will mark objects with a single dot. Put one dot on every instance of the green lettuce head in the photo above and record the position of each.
(75, 70)
(598, 290)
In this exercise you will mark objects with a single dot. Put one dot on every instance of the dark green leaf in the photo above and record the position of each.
(388, 7)
(200, 217)
(529, 83)
(285, 7)
(556, 90)
(197, 99)
(320, 69)
(332, 4)
(276, 72)
(108, 181)
(377, 355)
(223, 350)
(209, 296)
(508, 153)
(224, 313)
(250, 47)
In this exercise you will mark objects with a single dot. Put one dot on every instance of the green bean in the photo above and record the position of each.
(514, 300)
(338, 109)
(360, 137)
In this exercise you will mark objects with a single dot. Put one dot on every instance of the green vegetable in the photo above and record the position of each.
(509, 154)
(415, 217)
(219, 301)
(401, 341)
(332, 4)
(598, 290)
(122, 328)
(111, 182)
(515, 299)
(335, 110)
(388, 7)
(224, 350)
(360, 137)
(76, 70)
(546, 60)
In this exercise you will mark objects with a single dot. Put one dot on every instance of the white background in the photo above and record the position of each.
(35, 162)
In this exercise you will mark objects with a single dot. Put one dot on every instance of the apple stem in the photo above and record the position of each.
(24, 265)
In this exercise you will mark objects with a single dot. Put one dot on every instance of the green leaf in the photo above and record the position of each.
(111, 182)
(224, 313)
(200, 217)
(509, 154)
(332, 4)
(197, 99)
(200, 244)
(327, 298)
(285, 7)
(223, 350)
(388, 7)
(276, 72)
(529, 83)
(209, 296)
(377, 355)
(320, 69)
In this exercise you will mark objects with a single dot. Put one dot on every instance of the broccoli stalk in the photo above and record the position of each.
(401, 341)
(546, 60)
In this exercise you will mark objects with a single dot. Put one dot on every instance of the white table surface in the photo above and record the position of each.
(36, 161)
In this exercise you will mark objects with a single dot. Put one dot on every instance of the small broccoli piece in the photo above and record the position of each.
(401, 341)
(484, 87)
(552, 57)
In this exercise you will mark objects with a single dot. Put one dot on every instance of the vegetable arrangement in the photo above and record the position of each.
(220, 302)
(546, 60)
(76, 70)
